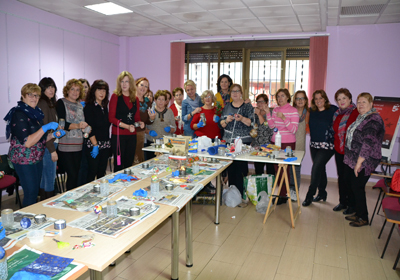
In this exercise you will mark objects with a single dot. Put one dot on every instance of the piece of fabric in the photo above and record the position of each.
(47, 264)
(342, 125)
(25, 275)
(354, 125)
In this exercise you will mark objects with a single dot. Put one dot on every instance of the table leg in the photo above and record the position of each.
(95, 275)
(296, 186)
(217, 199)
(270, 196)
(189, 242)
(175, 246)
(288, 192)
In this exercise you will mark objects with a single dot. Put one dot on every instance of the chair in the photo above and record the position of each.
(384, 188)
(391, 208)
(8, 181)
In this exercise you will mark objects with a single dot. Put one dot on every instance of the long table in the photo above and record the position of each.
(108, 249)
(282, 168)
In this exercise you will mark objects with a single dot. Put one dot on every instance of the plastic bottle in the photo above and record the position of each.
(278, 139)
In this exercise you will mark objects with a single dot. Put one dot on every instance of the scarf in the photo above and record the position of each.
(32, 113)
(354, 125)
(303, 115)
(143, 105)
(342, 125)
(179, 108)
(161, 114)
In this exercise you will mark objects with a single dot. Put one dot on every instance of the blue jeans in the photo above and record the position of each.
(29, 177)
(49, 172)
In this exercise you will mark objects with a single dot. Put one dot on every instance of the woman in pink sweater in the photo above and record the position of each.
(285, 119)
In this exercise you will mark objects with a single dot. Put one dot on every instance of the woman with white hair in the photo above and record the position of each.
(203, 123)
(190, 106)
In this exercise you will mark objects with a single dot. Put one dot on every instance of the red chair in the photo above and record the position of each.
(383, 185)
(391, 208)
(8, 181)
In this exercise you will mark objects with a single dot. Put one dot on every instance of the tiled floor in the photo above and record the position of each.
(322, 246)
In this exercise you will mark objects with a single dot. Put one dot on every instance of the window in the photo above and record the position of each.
(259, 66)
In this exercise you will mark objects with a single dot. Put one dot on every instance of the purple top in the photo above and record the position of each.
(366, 143)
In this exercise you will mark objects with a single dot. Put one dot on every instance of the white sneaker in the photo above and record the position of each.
(293, 195)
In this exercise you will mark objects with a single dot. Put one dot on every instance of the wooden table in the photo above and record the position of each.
(108, 249)
(282, 167)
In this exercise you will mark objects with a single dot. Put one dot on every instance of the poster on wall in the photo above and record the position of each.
(389, 109)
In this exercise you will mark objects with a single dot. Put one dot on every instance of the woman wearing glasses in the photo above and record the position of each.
(236, 120)
(203, 123)
(301, 104)
(264, 132)
(28, 137)
(286, 120)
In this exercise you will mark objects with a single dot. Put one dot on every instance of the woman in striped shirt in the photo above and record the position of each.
(285, 119)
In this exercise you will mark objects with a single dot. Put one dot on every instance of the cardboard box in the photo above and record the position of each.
(177, 143)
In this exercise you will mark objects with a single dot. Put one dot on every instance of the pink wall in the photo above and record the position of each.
(35, 44)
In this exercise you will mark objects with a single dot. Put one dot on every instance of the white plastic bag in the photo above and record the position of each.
(232, 197)
(262, 204)
(204, 143)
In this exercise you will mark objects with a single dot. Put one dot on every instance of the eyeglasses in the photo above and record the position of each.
(31, 95)
(236, 91)
(300, 98)
(207, 97)
(261, 102)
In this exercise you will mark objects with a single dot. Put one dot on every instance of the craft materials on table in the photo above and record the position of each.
(16, 232)
(83, 198)
(114, 226)
(27, 256)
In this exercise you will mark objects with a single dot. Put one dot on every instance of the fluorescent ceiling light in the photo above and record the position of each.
(108, 9)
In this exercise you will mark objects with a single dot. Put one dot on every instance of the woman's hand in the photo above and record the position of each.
(229, 119)
(281, 115)
(54, 156)
(83, 125)
(152, 114)
(357, 168)
(131, 128)
(196, 111)
(257, 111)
(238, 117)
(141, 125)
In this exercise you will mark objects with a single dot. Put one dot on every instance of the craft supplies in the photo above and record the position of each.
(69, 204)
(154, 187)
(134, 211)
(3, 264)
(182, 171)
(145, 165)
(111, 208)
(169, 187)
(195, 168)
(40, 218)
(60, 224)
(36, 236)
(61, 244)
(7, 218)
(104, 188)
(96, 188)
(25, 222)
(98, 209)
(127, 171)
(61, 123)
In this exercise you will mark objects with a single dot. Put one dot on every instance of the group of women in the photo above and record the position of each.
(74, 131)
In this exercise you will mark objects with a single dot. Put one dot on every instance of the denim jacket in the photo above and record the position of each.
(188, 106)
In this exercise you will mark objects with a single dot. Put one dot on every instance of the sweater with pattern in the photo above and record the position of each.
(366, 143)
(238, 129)
(288, 127)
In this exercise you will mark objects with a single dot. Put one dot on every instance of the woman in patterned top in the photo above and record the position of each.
(321, 145)
(362, 154)
(98, 143)
(264, 132)
(146, 116)
(28, 138)
(70, 147)
(236, 120)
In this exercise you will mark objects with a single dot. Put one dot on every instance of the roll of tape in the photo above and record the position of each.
(169, 187)
(134, 211)
(60, 224)
(40, 218)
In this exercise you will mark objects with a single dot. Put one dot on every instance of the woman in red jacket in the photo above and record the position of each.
(177, 109)
(203, 123)
(342, 119)
(124, 115)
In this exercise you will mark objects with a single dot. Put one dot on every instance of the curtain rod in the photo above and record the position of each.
(254, 37)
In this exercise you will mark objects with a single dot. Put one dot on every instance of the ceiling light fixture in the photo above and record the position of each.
(108, 9)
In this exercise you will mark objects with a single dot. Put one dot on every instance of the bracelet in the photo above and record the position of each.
(151, 120)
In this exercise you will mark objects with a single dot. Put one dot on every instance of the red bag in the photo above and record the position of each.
(395, 185)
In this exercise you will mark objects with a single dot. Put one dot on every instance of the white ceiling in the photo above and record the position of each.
(220, 17)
